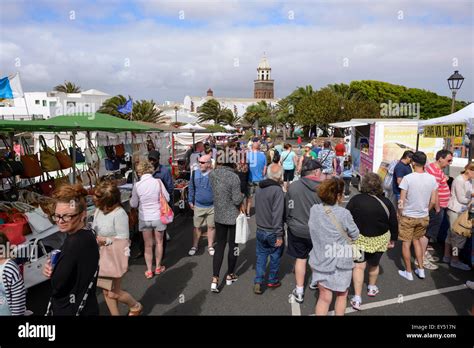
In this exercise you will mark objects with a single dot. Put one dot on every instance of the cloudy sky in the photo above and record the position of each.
(168, 49)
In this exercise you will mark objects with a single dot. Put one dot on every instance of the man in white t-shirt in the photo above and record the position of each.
(418, 195)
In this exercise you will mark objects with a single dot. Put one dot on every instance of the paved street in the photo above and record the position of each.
(184, 289)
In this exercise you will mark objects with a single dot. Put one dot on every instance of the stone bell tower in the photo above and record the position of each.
(263, 86)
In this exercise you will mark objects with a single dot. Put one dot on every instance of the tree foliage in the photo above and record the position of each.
(68, 87)
(212, 111)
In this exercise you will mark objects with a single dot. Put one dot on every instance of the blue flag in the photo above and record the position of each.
(125, 108)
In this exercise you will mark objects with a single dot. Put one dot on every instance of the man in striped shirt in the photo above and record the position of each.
(444, 158)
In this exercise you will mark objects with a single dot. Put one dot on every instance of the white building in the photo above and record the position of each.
(263, 90)
(50, 104)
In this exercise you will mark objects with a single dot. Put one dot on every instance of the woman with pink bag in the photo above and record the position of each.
(111, 226)
(147, 194)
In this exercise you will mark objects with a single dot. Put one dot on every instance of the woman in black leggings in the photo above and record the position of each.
(227, 199)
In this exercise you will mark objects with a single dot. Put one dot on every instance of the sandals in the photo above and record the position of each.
(192, 251)
(148, 274)
(136, 310)
(214, 285)
(211, 251)
(230, 279)
(160, 270)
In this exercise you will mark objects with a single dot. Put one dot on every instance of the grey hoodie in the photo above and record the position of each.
(269, 207)
(300, 198)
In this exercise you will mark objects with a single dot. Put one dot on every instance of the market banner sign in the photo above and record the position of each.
(445, 130)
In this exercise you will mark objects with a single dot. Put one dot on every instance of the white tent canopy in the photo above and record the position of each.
(220, 134)
(192, 127)
(187, 138)
(229, 127)
(465, 115)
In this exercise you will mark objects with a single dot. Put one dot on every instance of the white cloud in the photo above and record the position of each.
(168, 62)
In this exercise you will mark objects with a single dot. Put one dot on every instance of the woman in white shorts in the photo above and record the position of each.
(146, 195)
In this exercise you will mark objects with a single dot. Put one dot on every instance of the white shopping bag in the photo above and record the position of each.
(242, 230)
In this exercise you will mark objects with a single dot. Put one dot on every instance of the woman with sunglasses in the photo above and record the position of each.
(74, 276)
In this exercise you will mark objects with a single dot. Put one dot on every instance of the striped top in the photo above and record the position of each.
(14, 288)
(442, 180)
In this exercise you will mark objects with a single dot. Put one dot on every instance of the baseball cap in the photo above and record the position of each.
(309, 145)
(153, 154)
(311, 165)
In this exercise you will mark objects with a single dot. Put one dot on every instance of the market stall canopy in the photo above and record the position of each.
(220, 134)
(348, 124)
(190, 138)
(190, 126)
(229, 127)
(464, 116)
(80, 122)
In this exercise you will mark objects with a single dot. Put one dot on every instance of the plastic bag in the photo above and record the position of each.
(242, 230)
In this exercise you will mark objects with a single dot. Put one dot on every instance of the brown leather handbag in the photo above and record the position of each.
(31, 164)
(62, 155)
(120, 150)
(47, 185)
(61, 179)
(49, 161)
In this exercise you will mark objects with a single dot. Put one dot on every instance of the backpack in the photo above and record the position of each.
(276, 156)
(388, 180)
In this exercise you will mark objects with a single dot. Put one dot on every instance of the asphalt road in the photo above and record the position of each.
(184, 288)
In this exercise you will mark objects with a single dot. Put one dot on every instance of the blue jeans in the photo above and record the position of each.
(265, 248)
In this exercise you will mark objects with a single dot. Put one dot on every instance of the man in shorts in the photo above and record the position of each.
(418, 195)
(201, 200)
(302, 195)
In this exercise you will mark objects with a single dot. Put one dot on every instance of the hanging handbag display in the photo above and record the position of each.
(5, 170)
(91, 154)
(112, 164)
(48, 159)
(101, 152)
(47, 185)
(37, 219)
(120, 150)
(110, 151)
(12, 163)
(149, 143)
(11, 194)
(61, 179)
(79, 155)
(32, 269)
(14, 228)
(30, 162)
(62, 155)
(128, 150)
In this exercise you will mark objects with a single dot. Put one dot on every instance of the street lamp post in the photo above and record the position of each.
(455, 82)
(176, 115)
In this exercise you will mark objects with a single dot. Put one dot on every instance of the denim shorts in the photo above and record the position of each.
(155, 225)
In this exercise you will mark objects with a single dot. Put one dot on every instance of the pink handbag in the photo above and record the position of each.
(113, 261)
(166, 213)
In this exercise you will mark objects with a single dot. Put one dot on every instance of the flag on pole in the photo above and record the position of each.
(126, 108)
(10, 87)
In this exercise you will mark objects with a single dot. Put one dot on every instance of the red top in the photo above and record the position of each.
(442, 181)
(299, 140)
(340, 149)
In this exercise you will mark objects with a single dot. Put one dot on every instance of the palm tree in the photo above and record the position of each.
(212, 111)
(145, 110)
(258, 113)
(68, 87)
(233, 120)
(110, 106)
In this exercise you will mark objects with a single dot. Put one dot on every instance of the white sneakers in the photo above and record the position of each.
(192, 251)
(470, 284)
(420, 273)
(406, 275)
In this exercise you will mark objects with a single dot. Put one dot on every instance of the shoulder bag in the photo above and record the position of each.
(64, 160)
(30, 161)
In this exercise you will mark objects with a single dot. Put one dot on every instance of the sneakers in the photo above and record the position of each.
(470, 284)
(406, 275)
(313, 286)
(446, 259)
(427, 264)
(298, 297)
(460, 265)
(192, 251)
(420, 273)
(211, 251)
(355, 303)
(214, 288)
(274, 285)
(257, 289)
(431, 258)
(372, 292)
